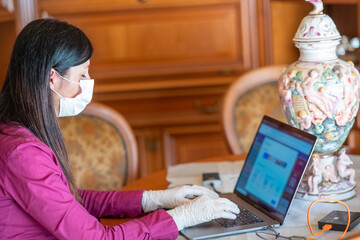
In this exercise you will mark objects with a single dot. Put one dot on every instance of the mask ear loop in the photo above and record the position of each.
(328, 226)
(66, 79)
(57, 93)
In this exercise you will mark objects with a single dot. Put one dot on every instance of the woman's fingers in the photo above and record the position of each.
(192, 191)
(227, 215)
(228, 205)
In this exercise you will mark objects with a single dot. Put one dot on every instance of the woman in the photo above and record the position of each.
(48, 77)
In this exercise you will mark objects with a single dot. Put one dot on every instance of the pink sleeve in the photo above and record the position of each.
(114, 203)
(37, 184)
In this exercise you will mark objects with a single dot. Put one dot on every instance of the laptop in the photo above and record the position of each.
(267, 183)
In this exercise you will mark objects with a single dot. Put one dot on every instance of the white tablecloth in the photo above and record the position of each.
(296, 220)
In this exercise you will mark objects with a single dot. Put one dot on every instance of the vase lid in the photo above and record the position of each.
(317, 26)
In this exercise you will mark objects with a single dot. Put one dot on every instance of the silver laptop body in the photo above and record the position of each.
(268, 180)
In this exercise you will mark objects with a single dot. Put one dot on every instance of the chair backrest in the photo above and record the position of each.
(101, 147)
(251, 96)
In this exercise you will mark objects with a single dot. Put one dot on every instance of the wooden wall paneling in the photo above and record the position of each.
(165, 83)
(358, 22)
(167, 107)
(26, 11)
(341, 1)
(189, 143)
(7, 39)
(11, 24)
(345, 18)
(353, 141)
(150, 147)
(358, 30)
(249, 35)
(5, 15)
(265, 34)
(163, 41)
(70, 6)
(142, 166)
(285, 19)
(281, 20)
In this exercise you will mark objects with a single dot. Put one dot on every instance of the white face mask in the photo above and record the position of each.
(74, 106)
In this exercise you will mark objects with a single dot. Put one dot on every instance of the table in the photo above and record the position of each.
(295, 222)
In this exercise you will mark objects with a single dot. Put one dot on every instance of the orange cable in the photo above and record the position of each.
(327, 227)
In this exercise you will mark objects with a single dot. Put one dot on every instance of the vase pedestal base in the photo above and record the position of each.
(342, 190)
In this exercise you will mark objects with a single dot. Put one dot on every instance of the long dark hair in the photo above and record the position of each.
(26, 97)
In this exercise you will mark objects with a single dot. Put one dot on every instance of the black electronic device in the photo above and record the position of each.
(211, 179)
(339, 219)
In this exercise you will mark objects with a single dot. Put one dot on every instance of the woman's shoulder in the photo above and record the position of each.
(19, 148)
(13, 136)
(15, 131)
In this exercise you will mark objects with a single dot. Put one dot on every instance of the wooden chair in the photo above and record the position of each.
(251, 96)
(101, 147)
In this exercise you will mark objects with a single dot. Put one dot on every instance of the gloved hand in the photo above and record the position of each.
(203, 209)
(173, 197)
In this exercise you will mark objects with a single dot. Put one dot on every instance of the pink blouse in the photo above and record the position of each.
(36, 203)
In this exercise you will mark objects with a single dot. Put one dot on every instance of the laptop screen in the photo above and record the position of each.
(274, 166)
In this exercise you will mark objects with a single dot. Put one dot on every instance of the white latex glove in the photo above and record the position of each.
(203, 209)
(173, 197)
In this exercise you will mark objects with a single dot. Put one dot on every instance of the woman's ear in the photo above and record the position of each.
(53, 79)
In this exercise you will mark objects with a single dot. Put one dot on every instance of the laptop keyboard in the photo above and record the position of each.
(243, 218)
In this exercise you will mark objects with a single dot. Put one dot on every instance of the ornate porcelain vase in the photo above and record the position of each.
(319, 94)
